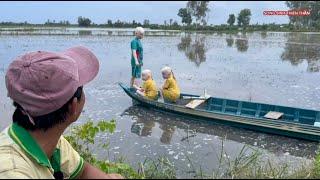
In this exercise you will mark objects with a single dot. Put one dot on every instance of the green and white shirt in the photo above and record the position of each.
(22, 157)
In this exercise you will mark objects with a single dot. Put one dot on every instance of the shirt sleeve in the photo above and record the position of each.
(71, 162)
(134, 45)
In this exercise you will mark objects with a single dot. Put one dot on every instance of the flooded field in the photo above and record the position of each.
(269, 67)
(83, 31)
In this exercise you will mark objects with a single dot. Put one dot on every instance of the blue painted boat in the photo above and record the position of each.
(294, 122)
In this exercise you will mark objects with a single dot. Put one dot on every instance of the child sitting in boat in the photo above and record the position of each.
(170, 89)
(149, 88)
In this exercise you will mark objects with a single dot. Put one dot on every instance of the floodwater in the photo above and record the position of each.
(271, 67)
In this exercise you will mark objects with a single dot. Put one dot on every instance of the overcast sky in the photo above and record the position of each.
(155, 11)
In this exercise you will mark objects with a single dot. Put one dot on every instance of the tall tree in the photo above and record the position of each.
(185, 16)
(84, 22)
(146, 22)
(175, 24)
(199, 10)
(109, 22)
(171, 21)
(305, 21)
(244, 17)
(231, 19)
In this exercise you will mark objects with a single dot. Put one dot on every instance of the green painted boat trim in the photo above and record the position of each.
(297, 122)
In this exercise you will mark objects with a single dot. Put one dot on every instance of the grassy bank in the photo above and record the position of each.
(244, 165)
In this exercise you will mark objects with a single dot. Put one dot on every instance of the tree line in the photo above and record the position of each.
(197, 11)
(195, 17)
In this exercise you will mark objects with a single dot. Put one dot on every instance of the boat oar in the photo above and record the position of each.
(192, 98)
(205, 96)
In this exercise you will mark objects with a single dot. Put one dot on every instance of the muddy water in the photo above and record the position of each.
(276, 68)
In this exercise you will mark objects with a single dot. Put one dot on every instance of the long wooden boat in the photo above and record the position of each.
(295, 122)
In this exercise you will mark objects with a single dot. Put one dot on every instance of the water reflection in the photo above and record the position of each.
(242, 43)
(169, 123)
(303, 47)
(230, 41)
(263, 35)
(167, 133)
(143, 126)
(194, 50)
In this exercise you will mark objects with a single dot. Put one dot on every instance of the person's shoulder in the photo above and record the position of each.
(5, 139)
(171, 79)
(8, 148)
(174, 80)
(6, 159)
(11, 160)
(14, 164)
(63, 142)
(153, 82)
(65, 147)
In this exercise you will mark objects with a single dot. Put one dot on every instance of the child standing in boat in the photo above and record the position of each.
(149, 87)
(170, 89)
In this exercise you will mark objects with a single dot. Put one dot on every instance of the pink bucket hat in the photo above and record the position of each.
(42, 82)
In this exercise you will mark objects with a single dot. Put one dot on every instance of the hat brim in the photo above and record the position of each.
(88, 64)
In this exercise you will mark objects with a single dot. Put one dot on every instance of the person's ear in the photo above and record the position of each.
(73, 107)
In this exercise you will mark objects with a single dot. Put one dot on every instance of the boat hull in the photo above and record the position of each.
(270, 126)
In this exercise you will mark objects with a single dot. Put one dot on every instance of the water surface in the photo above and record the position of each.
(267, 67)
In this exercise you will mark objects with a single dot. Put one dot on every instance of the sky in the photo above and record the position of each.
(156, 11)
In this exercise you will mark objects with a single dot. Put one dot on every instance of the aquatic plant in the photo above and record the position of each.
(82, 137)
(161, 168)
(246, 164)
(250, 166)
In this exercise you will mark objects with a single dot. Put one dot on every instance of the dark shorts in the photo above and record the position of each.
(136, 71)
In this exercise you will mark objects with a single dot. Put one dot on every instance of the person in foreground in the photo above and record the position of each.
(170, 89)
(136, 55)
(47, 92)
(149, 88)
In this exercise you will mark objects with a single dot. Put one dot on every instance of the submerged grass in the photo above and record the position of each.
(251, 166)
(247, 164)
(83, 137)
